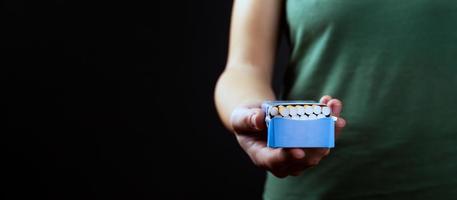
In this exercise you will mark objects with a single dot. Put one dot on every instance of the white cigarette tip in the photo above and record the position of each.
(274, 111)
(300, 110)
(283, 111)
(292, 111)
(326, 111)
(308, 110)
(317, 109)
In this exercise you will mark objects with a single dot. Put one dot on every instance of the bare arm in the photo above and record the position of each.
(246, 82)
(248, 73)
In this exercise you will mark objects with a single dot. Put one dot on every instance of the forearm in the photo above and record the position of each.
(241, 85)
(253, 40)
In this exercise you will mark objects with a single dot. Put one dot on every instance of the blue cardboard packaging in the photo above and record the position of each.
(286, 132)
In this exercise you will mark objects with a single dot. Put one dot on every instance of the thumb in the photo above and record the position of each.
(248, 120)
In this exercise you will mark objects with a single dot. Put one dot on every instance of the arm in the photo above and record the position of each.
(246, 82)
(248, 73)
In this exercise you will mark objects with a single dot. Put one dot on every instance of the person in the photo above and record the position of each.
(393, 65)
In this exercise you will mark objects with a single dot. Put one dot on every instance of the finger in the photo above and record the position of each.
(295, 153)
(339, 125)
(296, 173)
(312, 161)
(280, 165)
(290, 157)
(279, 174)
(336, 106)
(278, 159)
(317, 152)
(248, 120)
(325, 99)
(296, 167)
(259, 119)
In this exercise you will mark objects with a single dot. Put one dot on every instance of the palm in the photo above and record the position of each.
(249, 125)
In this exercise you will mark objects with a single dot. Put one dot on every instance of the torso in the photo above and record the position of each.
(394, 65)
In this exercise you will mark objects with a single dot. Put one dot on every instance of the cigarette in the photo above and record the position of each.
(304, 117)
(296, 117)
(292, 110)
(283, 111)
(300, 110)
(274, 111)
(326, 111)
(312, 116)
(317, 109)
(320, 116)
(308, 110)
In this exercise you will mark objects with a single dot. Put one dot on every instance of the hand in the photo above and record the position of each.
(248, 122)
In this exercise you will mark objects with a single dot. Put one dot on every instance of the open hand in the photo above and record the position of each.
(248, 122)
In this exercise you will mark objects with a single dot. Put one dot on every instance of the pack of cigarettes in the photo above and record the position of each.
(299, 124)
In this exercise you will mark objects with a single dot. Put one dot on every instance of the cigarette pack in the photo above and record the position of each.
(300, 124)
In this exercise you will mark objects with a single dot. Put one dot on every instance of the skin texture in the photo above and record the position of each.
(246, 82)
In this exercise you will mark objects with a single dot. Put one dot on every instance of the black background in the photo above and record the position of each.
(114, 100)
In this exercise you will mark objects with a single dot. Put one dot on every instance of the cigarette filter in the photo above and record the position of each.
(300, 110)
(292, 110)
(317, 109)
(299, 124)
(312, 116)
(308, 109)
(274, 111)
(326, 111)
(283, 111)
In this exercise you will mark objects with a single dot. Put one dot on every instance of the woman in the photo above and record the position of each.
(391, 62)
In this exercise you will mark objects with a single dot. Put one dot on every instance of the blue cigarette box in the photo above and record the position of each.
(286, 132)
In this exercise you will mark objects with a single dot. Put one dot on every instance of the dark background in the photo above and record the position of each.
(114, 100)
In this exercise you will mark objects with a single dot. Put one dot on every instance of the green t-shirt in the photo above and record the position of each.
(393, 63)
